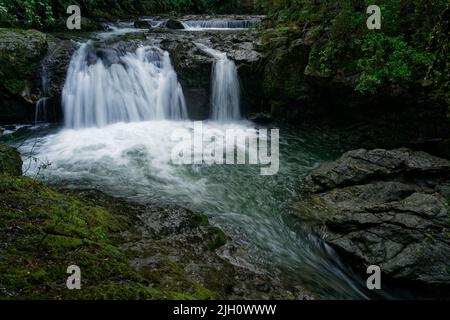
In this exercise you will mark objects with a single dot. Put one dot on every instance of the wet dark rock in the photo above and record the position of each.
(173, 24)
(55, 64)
(297, 89)
(142, 24)
(386, 208)
(262, 117)
(10, 161)
(194, 66)
(177, 248)
(20, 54)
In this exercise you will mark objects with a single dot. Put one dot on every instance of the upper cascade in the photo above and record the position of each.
(225, 99)
(220, 24)
(103, 87)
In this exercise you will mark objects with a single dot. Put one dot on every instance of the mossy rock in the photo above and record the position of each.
(286, 59)
(10, 161)
(87, 25)
(44, 231)
(20, 53)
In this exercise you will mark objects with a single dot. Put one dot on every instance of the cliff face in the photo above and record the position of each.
(387, 208)
(326, 64)
(20, 54)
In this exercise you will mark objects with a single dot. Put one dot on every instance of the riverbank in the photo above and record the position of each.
(124, 250)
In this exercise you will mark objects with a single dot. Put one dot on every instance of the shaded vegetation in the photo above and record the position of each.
(45, 13)
(342, 44)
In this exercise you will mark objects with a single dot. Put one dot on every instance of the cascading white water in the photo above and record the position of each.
(135, 87)
(225, 98)
(219, 24)
(41, 111)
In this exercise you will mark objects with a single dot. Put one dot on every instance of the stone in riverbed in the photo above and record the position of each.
(142, 24)
(173, 24)
(386, 208)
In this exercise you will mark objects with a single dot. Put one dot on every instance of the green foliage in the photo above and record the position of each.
(44, 13)
(387, 59)
(27, 13)
(341, 43)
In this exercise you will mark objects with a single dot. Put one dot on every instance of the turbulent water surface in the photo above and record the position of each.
(120, 115)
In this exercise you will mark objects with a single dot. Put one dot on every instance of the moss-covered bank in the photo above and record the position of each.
(124, 250)
(20, 54)
(43, 231)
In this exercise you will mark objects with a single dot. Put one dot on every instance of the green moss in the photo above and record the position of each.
(198, 220)
(218, 239)
(10, 161)
(43, 231)
(20, 53)
(344, 51)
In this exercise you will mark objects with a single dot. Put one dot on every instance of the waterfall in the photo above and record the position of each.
(41, 114)
(225, 99)
(41, 111)
(103, 87)
(219, 24)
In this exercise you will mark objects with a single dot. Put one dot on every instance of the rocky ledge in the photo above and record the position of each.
(194, 66)
(384, 207)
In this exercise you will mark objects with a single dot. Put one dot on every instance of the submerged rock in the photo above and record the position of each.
(142, 24)
(383, 207)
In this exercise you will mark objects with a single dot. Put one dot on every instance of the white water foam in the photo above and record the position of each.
(138, 86)
(219, 24)
(225, 99)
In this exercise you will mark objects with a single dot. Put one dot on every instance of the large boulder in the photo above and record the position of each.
(53, 72)
(193, 68)
(20, 54)
(383, 207)
(173, 24)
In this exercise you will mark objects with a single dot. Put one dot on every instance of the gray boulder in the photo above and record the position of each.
(383, 207)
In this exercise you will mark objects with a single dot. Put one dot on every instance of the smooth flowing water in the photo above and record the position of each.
(219, 24)
(121, 112)
(225, 96)
(138, 86)
(133, 160)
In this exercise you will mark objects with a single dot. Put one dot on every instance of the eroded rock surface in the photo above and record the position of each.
(386, 208)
